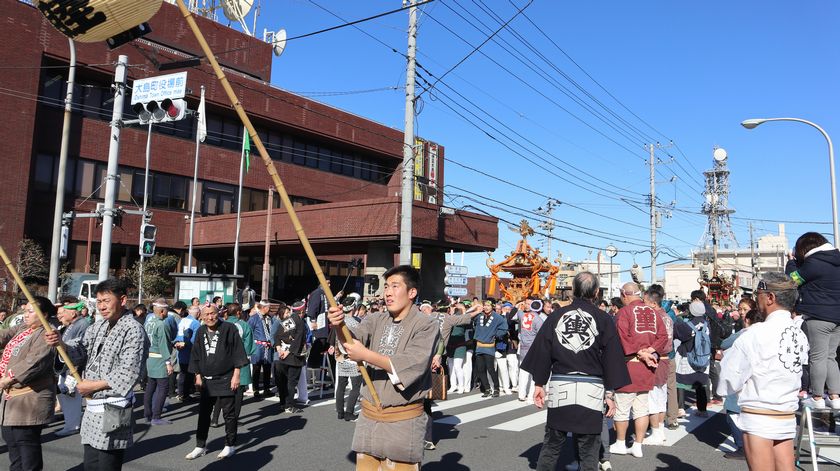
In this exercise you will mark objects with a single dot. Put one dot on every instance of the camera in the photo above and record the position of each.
(350, 302)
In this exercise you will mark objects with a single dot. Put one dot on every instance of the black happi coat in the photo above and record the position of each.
(291, 332)
(577, 339)
(230, 354)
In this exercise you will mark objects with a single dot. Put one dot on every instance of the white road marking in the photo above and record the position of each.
(482, 413)
(688, 424)
(523, 423)
(461, 401)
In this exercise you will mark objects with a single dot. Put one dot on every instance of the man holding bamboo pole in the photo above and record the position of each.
(112, 351)
(397, 346)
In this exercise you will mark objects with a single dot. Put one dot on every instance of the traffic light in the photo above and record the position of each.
(161, 112)
(147, 239)
(175, 110)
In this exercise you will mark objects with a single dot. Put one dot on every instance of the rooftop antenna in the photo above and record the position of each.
(237, 10)
(277, 39)
(256, 15)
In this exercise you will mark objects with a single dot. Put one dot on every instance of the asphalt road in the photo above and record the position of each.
(471, 433)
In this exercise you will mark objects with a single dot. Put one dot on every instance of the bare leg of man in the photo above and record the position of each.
(621, 430)
(783, 453)
(760, 454)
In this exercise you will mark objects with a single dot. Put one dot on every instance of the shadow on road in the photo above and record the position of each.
(254, 459)
(276, 428)
(448, 462)
(671, 462)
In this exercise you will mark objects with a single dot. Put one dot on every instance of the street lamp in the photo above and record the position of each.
(611, 252)
(752, 123)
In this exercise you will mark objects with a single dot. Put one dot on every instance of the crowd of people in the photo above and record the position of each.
(632, 364)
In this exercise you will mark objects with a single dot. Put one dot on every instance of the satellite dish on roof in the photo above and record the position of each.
(236, 10)
(279, 42)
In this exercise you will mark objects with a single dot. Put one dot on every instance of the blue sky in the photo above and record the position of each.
(690, 70)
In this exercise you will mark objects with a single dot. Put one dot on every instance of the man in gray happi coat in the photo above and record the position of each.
(397, 347)
(112, 351)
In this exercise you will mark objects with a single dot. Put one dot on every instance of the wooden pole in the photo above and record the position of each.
(343, 331)
(47, 327)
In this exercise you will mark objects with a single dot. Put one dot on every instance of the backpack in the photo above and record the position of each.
(701, 352)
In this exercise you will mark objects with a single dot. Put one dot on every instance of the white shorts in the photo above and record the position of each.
(625, 402)
(768, 427)
(658, 399)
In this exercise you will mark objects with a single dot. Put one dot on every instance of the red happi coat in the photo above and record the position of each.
(640, 327)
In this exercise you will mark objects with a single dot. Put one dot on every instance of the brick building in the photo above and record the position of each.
(341, 170)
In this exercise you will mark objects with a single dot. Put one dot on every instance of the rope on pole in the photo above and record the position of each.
(47, 327)
(343, 332)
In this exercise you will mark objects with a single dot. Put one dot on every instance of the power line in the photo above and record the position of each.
(549, 38)
(548, 170)
(581, 229)
(326, 30)
(475, 48)
(491, 96)
(522, 137)
(344, 92)
(487, 10)
(536, 90)
(393, 49)
(541, 72)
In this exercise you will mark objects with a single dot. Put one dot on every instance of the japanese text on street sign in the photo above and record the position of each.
(455, 292)
(455, 280)
(456, 270)
(159, 88)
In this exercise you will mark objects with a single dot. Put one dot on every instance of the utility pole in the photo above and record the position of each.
(55, 248)
(267, 252)
(548, 224)
(408, 141)
(652, 161)
(113, 176)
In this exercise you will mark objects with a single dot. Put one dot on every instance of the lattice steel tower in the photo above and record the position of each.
(716, 205)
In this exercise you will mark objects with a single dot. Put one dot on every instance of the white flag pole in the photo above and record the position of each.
(239, 205)
(200, 135)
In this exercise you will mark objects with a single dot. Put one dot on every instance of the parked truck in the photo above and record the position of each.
(81, 285)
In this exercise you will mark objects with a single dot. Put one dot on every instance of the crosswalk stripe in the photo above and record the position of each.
(523, 423)
(482, 413)
(461, 401)
(690, 422)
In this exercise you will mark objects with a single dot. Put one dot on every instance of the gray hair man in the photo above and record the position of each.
(764, 367)
(577, 362)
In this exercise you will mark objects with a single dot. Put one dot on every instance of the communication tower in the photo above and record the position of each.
(716, 206)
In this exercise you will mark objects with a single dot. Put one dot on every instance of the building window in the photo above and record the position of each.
(126, 183)
(160, 190)
(298, 152)
(217, 199)
(214, 130)
(178, 193)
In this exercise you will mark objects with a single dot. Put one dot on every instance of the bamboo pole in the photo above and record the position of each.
(47, 327)
(343, 332)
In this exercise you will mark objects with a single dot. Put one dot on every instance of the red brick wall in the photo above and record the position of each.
(19, 117)
(26, 38)
(375, 219)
